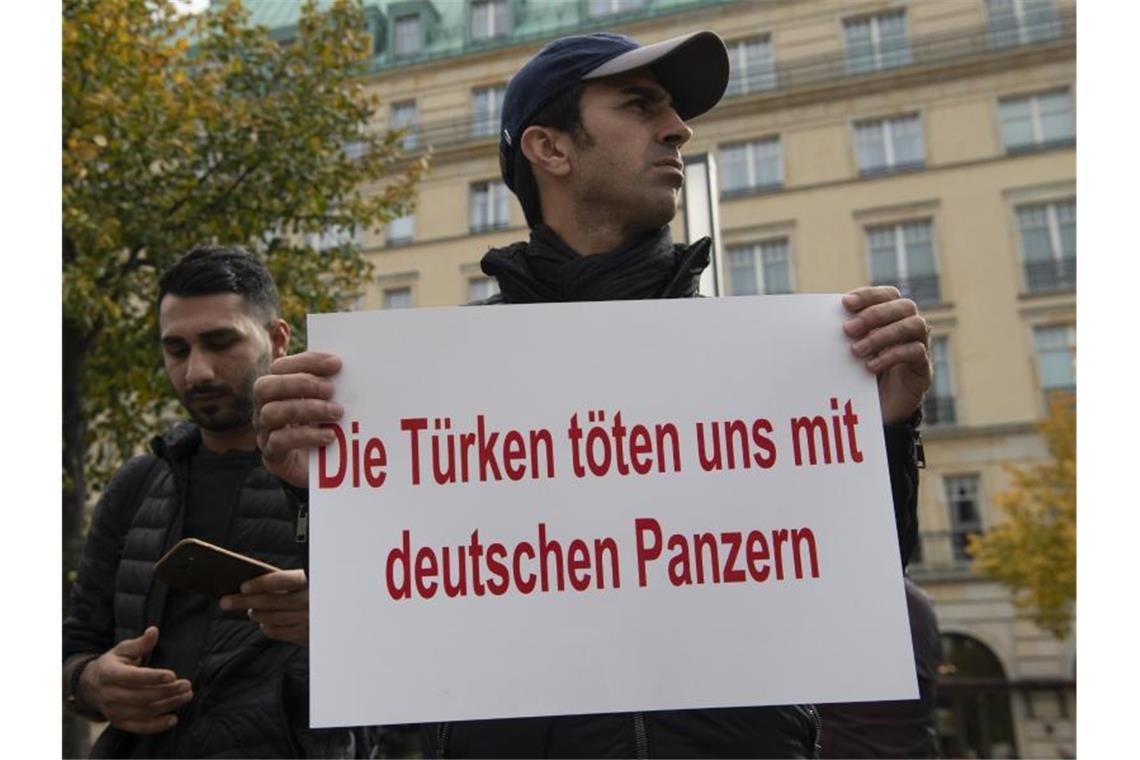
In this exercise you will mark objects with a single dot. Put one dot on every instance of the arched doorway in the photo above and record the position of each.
(974, 714)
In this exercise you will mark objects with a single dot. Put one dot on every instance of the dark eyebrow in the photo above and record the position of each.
(652, 94)
(222, 333)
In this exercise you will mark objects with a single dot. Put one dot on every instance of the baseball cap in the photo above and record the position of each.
(692, 67)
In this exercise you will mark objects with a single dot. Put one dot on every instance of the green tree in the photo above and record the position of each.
(179, 130)
(1033, 550)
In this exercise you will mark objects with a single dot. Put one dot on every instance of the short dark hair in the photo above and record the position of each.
(209, 269)
(561, 113)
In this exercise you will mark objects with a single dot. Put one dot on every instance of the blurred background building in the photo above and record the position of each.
(926, 144)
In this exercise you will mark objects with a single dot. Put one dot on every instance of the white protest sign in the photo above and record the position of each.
(578, 508)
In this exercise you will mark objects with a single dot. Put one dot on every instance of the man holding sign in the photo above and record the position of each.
(592, 132)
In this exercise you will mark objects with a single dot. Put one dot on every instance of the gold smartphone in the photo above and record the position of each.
(195, 565)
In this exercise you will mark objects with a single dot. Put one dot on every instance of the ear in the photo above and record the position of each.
(547, 148)
(279, 334)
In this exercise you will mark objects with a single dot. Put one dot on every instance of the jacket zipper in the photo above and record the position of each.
(640, 736)
(441, 739)
(302, 535)
(818, 730)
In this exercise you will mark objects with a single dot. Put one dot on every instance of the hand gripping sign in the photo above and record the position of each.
(579, 508)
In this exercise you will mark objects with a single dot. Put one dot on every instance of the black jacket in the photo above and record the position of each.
(250, 692)
(545, 269)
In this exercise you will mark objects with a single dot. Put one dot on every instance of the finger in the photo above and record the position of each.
(151, 726)
(280, 618)
(301, 385)
(138, 647)
(275, 415)
(909, 330)
(147, 703)
(911, 354)
(277, 445)
(298, 600)
(861, 298)
(131, 676)
(281, 582)
(311, 362)
(878, 315)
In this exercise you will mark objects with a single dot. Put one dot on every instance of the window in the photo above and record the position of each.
(1056, 347)
(480, 288)
(397, 298)
(751, 165)
(489, 208)
(1048, 234)
(404, 117)
(334, 236)
(1017, 22)
(750, 66)
(401, 229)
(876, 42)
(759, 268)
(354, 150)
(598, 8)
(938, 406)
(883, 145)
(903, 255)
(408, 37)
(1036, 121)
(487, 104)
(488, 19)
(965, 514)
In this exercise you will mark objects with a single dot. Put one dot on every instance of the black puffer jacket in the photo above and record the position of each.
(250, 693)
(543, 270)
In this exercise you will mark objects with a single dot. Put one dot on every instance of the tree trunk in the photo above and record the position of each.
(76, 346)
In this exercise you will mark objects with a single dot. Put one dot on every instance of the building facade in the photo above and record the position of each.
(928, 144)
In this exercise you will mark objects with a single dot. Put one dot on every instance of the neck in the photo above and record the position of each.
(590, 233)
(238, 439)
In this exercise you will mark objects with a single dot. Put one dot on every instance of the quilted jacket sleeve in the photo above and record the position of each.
(902, 459)
(90, 623)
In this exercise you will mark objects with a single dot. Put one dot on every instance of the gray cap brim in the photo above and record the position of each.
(692, 67)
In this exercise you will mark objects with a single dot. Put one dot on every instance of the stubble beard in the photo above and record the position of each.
(236, 411)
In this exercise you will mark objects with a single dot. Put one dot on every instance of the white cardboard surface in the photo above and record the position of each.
(839, 636)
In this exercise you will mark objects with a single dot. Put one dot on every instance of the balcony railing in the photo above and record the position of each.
(922, 289)
(938, 410)
(1052, 275)
(931, 50)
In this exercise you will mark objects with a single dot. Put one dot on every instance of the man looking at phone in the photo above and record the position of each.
(591, 139)
(144, 656)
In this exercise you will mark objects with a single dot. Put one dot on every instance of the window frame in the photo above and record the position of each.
(419, 36)
(411, 138)
(1056, 247)
(887, 139)
(1070, 328)
(386, 292)
(850, 66)
(487, 125)
(750, 148)
(496, 34)
(956, 527)
(491, 223)
(901, 263)
(1039, 141)
(772, 78)
(756, 251)
(948, 400)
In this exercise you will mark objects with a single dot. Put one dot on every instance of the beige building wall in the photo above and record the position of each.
(968, 188)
